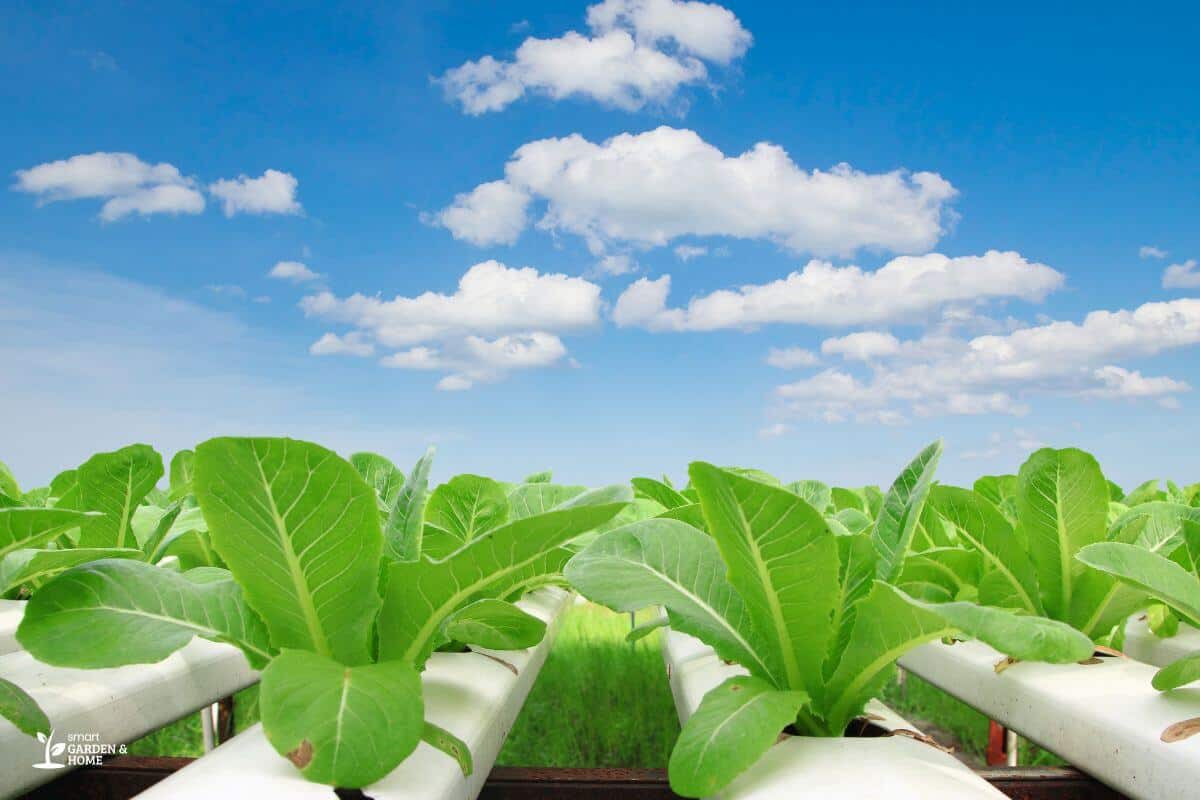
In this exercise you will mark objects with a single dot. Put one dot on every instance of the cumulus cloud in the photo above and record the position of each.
(1182, 276)
(1150, 251)
(294, 272)
(637, 52)
(126, 183)
(1117, 382)
(353, 343)
(862, 346)
(791, 358)
(476, 359)
(499, 320)
(650, 188)
(906, 288)
(616, 264)
(492, 213)
(994, 374)
(273, 192)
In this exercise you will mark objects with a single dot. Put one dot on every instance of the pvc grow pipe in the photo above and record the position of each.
(1103, 717)
(110, 707)
(898, 767)
(1143, 645)
(11, 612)
(472, 695)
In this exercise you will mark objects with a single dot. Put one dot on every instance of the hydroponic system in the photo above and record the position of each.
(395, 628)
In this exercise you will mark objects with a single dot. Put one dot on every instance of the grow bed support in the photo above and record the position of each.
(124, 777)
(1102, 715)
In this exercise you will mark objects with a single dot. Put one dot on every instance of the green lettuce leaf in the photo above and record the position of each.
(299, 530)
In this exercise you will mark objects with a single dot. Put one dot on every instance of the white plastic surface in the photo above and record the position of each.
(1104, 718)
(895, 767)
(468, 694)
(11, 612)
(117, 705)
(1143, 645)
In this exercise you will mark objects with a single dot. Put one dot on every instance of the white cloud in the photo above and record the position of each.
(294, 272)
(476, 359)
(791, 358)
(906, 288)
(1123, 383)
(617, 264)
(831, 396)
(1182, 276)
(650, 188)
(686, 252)
(499, 320)
(492, 213)
(273, 192)
(992, 374)
(351, 344)
(167, 199)
(862, 346)
(706, 30)
(1150, 251)
(454, 383)
(638, 52)
(128, 184)
(491, 299)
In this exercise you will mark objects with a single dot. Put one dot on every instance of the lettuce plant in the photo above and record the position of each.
(808, 612)
(1174, 582)
(325, 591)
(97, 511)
(1012, 544)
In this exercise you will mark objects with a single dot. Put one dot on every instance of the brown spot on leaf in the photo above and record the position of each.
(1102, 651)
(735, 688)
(302, 755)
(1181, 730)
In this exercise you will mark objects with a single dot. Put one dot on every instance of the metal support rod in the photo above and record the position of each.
(206, 729)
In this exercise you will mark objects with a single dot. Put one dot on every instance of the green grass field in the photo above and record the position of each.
(603, 702)
(599, 701)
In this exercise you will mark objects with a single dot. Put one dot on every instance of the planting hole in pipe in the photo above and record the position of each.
(351, 794)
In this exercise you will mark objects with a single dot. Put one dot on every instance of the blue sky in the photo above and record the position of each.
(352, 140)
